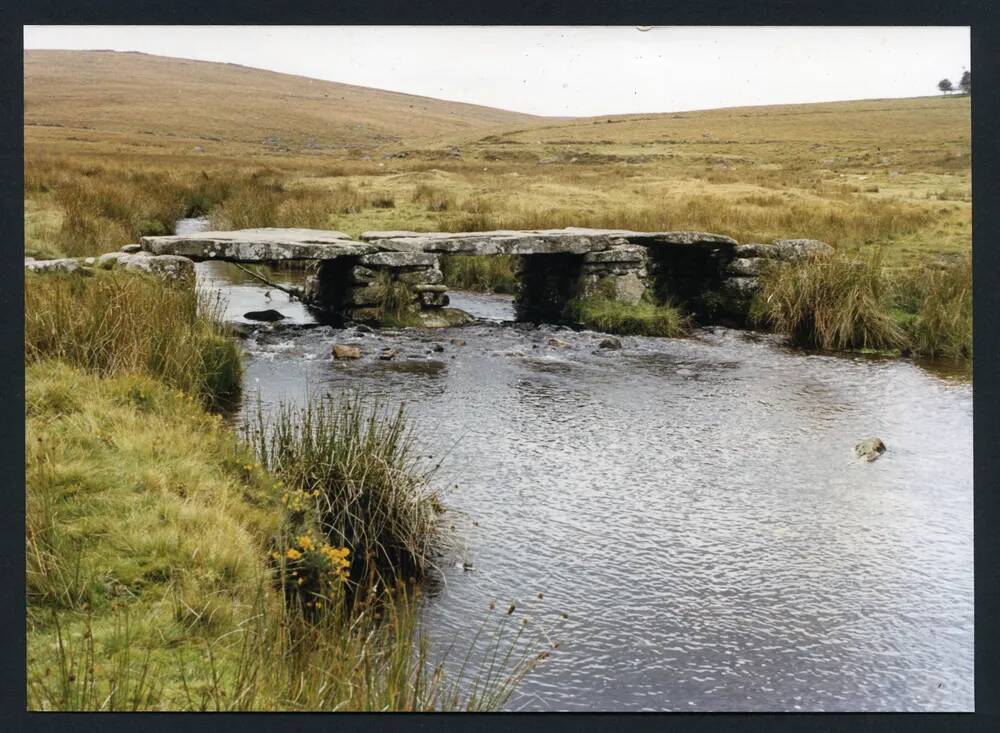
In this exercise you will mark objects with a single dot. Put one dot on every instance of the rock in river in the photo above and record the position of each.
(387, 354)
(558, 343)
(270, 315)
(869, 449)
(610, 343)
(346, 351)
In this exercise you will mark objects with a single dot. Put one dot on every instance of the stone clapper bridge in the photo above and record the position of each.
(711, 275)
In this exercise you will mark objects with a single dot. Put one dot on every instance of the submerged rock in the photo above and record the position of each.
(444, 318)
(558, 343)
(610, 343)
(346, 351)
(458, 342)
(870, 449)
(437, 347)
(270, 315)
(388, 354)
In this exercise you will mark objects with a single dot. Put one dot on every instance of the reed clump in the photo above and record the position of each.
(353, 468)
(126, 323)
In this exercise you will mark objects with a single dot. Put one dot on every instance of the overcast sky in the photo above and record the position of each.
(574, 71)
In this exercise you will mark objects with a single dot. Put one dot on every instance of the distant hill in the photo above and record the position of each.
(131, 93)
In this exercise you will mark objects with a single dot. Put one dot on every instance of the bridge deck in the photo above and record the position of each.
(260, 245)
(275, 244)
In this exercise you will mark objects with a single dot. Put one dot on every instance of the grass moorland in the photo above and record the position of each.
(121, 144)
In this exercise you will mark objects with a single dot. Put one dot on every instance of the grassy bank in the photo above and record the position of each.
(122, 323)
(173, 566)
(165, 571)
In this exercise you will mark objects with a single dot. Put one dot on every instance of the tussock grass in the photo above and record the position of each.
(355, 468)
(934, 307)
(833, 303)
(613, 316)
(493, 273)
(125, 323)
(433, 198)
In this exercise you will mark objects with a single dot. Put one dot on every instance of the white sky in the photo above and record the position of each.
(566, 70)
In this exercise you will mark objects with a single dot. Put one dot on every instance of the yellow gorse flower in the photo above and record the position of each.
(293, 554)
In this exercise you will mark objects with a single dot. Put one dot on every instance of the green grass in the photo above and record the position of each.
(643, 319)
(116, 323)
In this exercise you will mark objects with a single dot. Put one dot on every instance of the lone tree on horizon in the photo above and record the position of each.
(945, 86)
(965, 84)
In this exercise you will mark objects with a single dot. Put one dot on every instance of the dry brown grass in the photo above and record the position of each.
(889, 173)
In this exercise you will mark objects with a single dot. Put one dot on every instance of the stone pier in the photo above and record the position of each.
(392, 288)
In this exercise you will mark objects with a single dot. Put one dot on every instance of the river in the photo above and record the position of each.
(693, 506)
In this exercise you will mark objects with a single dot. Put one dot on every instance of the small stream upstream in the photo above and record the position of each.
(693, 506)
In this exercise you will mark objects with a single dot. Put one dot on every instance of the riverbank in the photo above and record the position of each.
(172, 565)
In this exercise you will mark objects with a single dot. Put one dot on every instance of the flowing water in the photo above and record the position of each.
(693, 506)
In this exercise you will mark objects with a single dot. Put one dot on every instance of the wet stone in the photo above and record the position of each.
(346, 351)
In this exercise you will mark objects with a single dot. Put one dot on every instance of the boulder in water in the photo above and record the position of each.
(388, 354)
(869, 449)
(346, 351)
(557, 343)
(610, 343)
(270, 315)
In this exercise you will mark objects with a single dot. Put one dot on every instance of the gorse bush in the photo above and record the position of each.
(125, 323)
(836, 303)
(353, 469)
